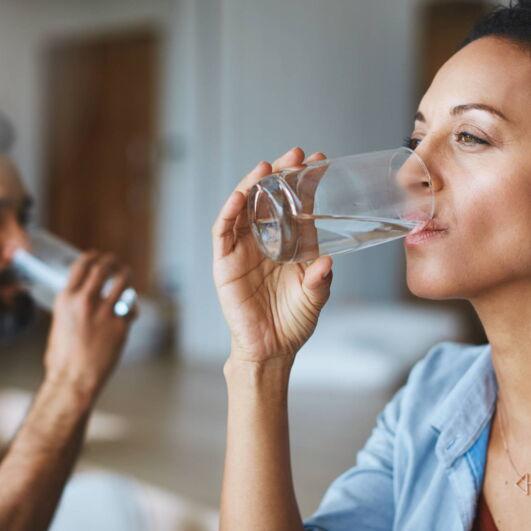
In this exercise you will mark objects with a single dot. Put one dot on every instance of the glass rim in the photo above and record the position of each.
(293, 199)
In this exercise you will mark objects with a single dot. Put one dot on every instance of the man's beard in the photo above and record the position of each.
(17, 308)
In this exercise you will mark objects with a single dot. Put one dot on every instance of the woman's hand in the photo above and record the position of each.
(86, 337)
(271, 308)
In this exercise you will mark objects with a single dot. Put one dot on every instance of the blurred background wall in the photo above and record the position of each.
(280, 74)
(234, 82)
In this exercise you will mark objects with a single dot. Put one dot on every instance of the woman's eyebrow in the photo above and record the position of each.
(460, 109)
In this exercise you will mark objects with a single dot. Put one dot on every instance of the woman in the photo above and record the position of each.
(458, 432)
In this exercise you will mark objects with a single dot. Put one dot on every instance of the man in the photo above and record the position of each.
(83, 347)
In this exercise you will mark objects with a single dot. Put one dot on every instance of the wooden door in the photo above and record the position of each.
(100, 132)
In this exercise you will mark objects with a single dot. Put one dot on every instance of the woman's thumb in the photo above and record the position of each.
(317, 281)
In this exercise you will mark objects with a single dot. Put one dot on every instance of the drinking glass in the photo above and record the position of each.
(340, 205)
(45, 269)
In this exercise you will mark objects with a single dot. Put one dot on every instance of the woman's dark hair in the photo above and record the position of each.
(512, 22)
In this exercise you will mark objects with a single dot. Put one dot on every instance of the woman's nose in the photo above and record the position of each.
(12, 237)
(414, 182)
(430, 154)
(418, 175)
(412, 175)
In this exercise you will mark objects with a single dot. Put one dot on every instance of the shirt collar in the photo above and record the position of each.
(463, 414)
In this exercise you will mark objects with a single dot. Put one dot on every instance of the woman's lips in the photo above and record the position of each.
(429, 231)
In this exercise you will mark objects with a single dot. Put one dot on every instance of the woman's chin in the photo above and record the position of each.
(430, 285)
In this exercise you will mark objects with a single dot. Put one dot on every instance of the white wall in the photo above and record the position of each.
(336, 76)
(245, 80)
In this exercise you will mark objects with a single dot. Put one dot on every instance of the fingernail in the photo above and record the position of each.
(326, 275)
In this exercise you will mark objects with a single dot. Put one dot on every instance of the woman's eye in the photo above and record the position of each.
(464, 137)
(468, 139)
(411, 143)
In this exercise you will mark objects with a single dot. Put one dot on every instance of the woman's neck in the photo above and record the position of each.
(506, 316)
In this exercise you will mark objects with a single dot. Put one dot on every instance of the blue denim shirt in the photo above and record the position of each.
(422, 467)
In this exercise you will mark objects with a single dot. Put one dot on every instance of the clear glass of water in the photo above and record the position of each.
(340, 205)
(45, 267)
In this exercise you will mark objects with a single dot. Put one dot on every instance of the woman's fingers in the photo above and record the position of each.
(317, 281)
(233, 219)
(241, 224)
(314, 157)
(261, 170)
(293, 158)
(232, 214)
(223, 229)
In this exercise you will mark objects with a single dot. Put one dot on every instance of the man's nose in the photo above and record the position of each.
(12, 237)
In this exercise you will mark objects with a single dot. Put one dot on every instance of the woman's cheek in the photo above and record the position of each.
(494, 230)
(488, 210)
